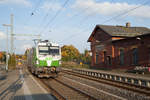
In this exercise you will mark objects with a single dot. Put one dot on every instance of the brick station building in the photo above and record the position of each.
(120, 46)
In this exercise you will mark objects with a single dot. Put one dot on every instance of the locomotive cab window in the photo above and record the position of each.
(54, 50)
(43, 50)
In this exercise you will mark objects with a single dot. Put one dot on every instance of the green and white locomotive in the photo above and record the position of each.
(44, 59)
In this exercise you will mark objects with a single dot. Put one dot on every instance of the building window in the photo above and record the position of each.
(149, 55)
(121, 57)
(108, 60)
(96, 61)
(135, 56)
(105, 57)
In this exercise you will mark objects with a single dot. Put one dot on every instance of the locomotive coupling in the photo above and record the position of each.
(53, 69)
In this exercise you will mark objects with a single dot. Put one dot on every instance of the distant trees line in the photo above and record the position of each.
(70, 53)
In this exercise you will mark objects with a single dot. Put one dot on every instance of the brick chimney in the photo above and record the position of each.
(128, 24)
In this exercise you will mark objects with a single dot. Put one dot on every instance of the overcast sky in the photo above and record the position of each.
(67, 21)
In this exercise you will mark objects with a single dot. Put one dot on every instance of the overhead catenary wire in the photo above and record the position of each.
(115, 17)
(126, 12)
(126, 15)
(83, 20)
(110, 19)
(75, 15)
(32, 13)
(36, 7)
(54, 17)
(112, 1)
(43, 20)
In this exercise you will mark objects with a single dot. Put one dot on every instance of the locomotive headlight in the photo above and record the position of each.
(60, 62)
(37, 62)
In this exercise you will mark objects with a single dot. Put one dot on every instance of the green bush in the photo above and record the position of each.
(12, 62)
(74, 65)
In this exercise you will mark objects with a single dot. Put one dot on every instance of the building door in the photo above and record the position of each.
(148, 55)
(97, 56)
(105, 57)
(135, 56)
(108, 60)
(121, 56)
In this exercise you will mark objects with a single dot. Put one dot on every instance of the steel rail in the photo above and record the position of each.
(75, 89)
(118, 84)
(53, 91)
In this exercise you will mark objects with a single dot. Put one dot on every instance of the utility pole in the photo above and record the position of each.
(7, 52)
(11, 40)
(12, 37)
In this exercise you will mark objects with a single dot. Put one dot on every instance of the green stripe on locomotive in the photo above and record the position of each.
(45, 63)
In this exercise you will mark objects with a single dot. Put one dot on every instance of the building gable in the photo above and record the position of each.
(103, 32)
(99, 35)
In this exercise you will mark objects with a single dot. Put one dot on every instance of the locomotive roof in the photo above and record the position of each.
(45, 43)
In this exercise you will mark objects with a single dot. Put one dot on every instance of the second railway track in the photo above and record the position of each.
(67, 89)
(71, 86)
(134, 89)
(63, 91)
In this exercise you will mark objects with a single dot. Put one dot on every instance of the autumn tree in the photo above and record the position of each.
(69, 53)
(2, 56)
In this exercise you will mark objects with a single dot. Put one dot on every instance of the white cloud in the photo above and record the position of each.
(2, 35)
(108, 9)
(16, 2)
(50, 5)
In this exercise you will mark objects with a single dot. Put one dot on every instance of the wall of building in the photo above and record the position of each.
(143, 53)
(127, 45)
(99, 38)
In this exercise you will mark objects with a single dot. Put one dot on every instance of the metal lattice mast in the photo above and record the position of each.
(12, 37)
(7, 25)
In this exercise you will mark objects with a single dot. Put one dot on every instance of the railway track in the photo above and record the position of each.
(72, 86)
(66, 89)
(129, 87)
(63, 91)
